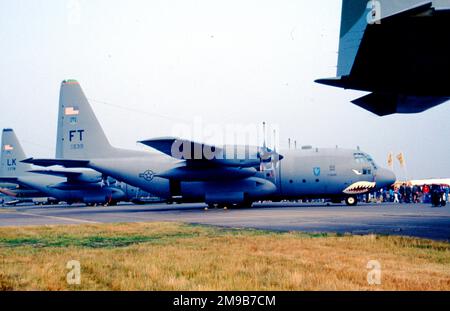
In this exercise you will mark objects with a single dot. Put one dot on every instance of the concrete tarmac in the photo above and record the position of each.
(418, 220)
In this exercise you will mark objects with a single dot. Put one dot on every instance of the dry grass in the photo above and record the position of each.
(172, 256)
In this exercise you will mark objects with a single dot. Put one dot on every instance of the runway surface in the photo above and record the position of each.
(393, 219)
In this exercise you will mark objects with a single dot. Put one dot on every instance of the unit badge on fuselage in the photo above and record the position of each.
(316, 171)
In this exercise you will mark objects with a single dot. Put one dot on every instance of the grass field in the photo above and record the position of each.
(175, 256)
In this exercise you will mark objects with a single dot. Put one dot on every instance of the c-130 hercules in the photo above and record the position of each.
(179, 172)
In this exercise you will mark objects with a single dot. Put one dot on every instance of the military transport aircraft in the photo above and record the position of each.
(194, 172)
(71, 186)
(12, 194)
(397, 50)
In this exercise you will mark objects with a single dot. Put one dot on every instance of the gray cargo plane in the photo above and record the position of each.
(194, 172)
(71, 186)
(396, 49)
(12, 194)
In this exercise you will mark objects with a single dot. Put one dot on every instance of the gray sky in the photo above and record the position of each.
(222, 61)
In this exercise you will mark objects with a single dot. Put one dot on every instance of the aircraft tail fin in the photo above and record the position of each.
(353, 25)
(12, 154)
(357, 15)
(79, 134)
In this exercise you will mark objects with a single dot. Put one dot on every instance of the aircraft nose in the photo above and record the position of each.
(385, 178)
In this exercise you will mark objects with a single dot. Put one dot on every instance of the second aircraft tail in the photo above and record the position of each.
(12, 154)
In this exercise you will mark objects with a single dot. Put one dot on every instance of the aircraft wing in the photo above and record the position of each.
(202, 162)
(179, 148)
(61, 162)
(203, 155)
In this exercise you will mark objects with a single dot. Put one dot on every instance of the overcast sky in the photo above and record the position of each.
(148, 66)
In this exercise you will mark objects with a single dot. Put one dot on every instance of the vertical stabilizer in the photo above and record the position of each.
(353, 25)
(12, 154)
(357, 15)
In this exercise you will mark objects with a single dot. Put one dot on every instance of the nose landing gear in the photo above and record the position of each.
(351, 200)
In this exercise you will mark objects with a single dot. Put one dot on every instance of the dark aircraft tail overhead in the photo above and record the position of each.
(397, 50)
(353, 25)
(12, 154)
(79, 134)
(357, 15)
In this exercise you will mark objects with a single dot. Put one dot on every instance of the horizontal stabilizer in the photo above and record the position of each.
(337, 82)
(61, 162)
(385, 104)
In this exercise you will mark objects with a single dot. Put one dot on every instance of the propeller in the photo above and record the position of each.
(266, 155)
(105, 181)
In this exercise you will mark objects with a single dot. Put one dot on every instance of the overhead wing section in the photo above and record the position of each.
(201, 155)
(61, 162)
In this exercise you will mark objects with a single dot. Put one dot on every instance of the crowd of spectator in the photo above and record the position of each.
(408, 193)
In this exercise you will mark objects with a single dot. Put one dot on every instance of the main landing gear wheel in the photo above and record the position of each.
(351, 201)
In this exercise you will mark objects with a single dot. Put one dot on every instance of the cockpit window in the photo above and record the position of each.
(360, 158)
(363, 158)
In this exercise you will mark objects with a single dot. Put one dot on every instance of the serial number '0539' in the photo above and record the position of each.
(246, 301)
(76, 146)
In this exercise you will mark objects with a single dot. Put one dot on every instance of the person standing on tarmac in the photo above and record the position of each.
(408, 193)
(396, 195)
(426, 192)
(391, 194)
(415, 193)
(437, 196)
(401, 193)
(446, 192)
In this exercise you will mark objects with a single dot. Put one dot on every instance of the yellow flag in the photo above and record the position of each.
(390, 160)
(401, 159)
